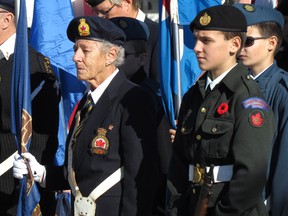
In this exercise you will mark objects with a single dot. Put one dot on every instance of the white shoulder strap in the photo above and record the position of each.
(108, 183)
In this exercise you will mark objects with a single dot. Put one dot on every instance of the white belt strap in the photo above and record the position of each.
(7, 164)
(221, 173)
(108, 183)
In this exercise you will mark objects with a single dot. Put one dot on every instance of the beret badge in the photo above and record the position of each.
(205, 19)
(83, 28)
(249, 8)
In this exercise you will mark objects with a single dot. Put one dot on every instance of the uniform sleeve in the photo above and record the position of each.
(253, 135)
(139, 154)
(178, 184)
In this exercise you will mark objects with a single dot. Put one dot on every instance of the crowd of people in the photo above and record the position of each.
(227, 155)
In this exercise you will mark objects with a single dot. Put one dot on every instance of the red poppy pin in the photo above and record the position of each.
(222, 108)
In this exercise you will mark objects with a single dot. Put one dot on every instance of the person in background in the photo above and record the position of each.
(45, 115)
(112, 159)
(131, 8)
(264, 37)
(281, 56)
(225, 127)
(135, 46)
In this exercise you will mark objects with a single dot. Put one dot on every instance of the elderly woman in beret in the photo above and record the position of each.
(112, 163)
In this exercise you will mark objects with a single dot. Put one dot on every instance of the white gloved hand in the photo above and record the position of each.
(20, 168)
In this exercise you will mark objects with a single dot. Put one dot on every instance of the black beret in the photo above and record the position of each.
(8, 5)
(220, 18)
(94, 3)
(95, 28)
(133, 28)
(256, 14)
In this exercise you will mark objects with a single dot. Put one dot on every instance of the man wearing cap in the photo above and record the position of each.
(264, 38)
(135, 58)
(225, 127)
(112, 162)
(44, 114)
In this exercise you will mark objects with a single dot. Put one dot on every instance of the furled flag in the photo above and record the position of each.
(21, 115)
(81, 8)
(48, 36)
(178, 64)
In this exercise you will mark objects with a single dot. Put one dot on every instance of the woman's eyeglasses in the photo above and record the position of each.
(250, 40)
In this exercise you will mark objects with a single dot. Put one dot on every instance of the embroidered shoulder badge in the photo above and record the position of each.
(256, 118)
(255, 103)
(100, 143)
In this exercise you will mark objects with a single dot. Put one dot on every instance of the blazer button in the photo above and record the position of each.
(183, 129)
(203, 110)
(198, 137)
(214, 130)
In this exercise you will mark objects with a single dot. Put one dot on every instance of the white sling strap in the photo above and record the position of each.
(7, 164)
(104, 186)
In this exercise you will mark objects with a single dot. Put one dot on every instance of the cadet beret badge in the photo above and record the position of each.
(249, 8)
(83, 28)
(256, 118)
(222, 108)
(205, 19)
(100, 143)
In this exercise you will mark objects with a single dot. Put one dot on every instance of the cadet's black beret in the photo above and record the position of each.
(8, 5)
(133, 28)
(220, 18)
(256, 14)
(95, 28)
(94, 3)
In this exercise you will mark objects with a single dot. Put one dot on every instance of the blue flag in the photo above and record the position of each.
(178, 64)
(48, 36)
(21, 115)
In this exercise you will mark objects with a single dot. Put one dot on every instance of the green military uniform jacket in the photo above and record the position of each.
(232, 125)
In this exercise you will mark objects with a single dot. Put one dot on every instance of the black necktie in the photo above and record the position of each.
(208, 90)
(84, 113)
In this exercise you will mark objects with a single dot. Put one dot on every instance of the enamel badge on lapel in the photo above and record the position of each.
(100, 143)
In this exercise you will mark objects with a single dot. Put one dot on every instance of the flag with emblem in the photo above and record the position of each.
(21, 114)
(178, 64)
(48, 36)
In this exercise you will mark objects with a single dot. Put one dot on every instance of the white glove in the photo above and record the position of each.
(20, 168)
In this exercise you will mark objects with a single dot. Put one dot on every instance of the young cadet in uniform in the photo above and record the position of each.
(135, 47)
(224, 122)
(112, 159)
(44, 114)
(264, 37)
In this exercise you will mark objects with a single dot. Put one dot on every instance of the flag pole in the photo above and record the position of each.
(176, 50)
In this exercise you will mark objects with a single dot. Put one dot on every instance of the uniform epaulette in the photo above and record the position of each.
(251, 85)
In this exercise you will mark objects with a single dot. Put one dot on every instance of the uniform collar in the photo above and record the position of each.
(7, 48)
(231, 80)
(140, 15)
(97, 93)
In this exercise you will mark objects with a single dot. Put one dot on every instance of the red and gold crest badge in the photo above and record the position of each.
(256, 118)
(100, 143)
(205, 19)
(83, 28)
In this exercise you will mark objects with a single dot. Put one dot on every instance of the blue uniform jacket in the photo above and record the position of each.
(274, 85)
